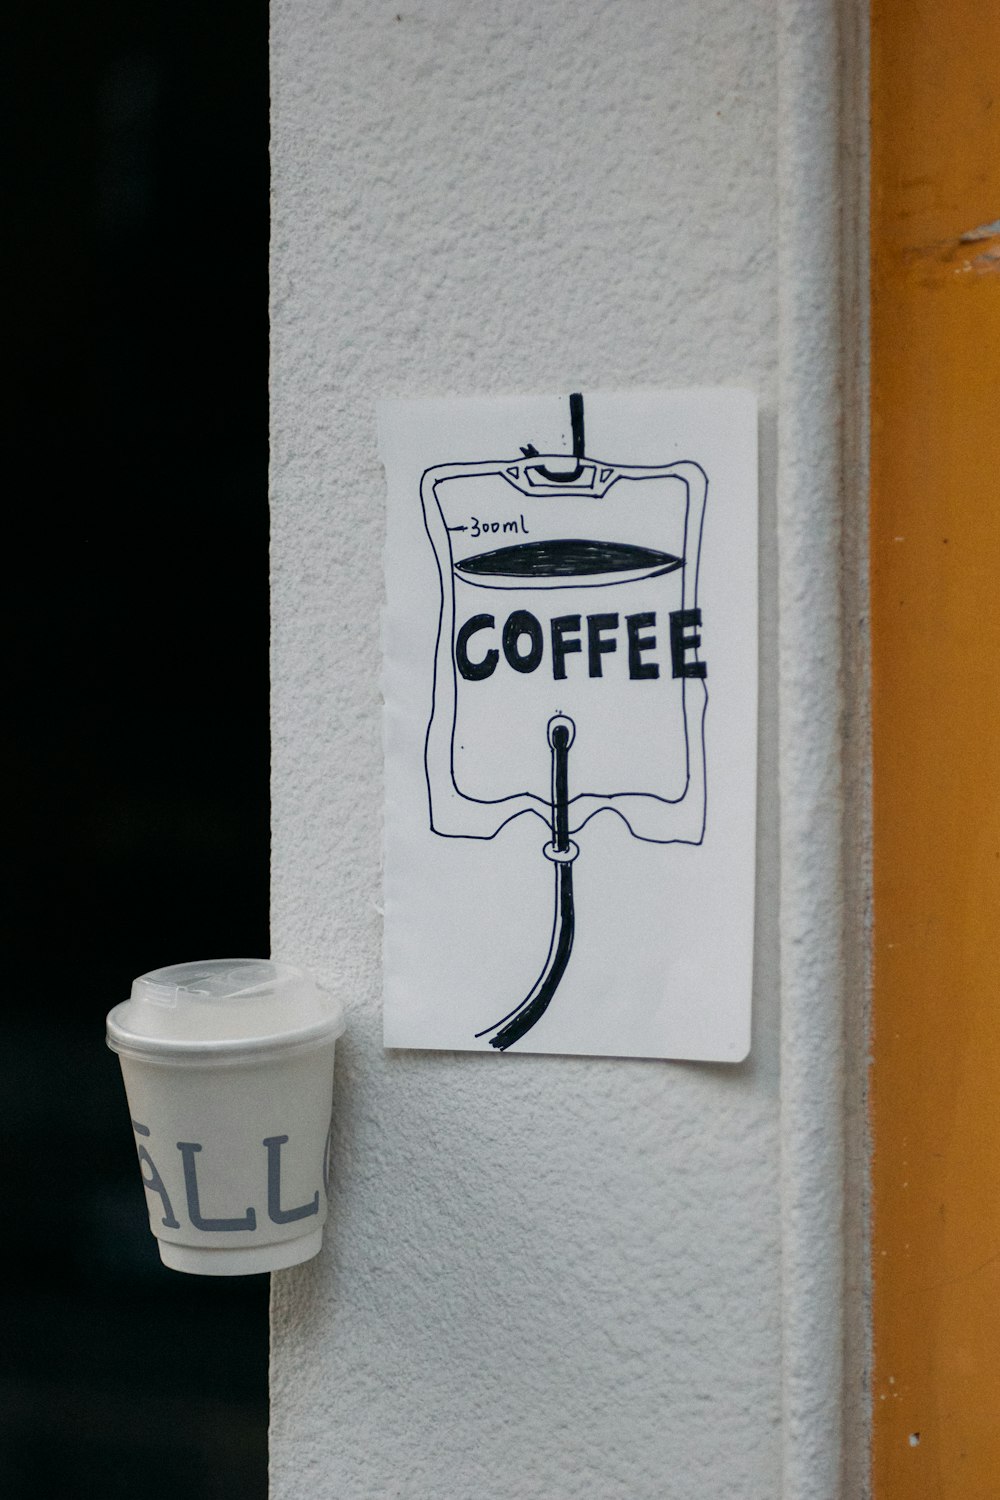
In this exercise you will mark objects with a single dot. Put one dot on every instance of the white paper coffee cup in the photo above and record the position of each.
(228, 1069)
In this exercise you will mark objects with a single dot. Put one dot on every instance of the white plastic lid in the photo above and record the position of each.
(225, 1006)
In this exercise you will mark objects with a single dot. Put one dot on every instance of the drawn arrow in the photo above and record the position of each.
(458, 528)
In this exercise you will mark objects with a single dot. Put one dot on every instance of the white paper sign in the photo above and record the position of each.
(570, 732)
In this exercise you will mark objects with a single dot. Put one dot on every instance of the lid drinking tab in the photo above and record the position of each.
(223, 1002)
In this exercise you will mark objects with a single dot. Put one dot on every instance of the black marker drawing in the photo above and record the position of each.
(562, 851)
(568, 677)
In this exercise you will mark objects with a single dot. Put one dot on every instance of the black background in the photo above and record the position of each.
(137, 763)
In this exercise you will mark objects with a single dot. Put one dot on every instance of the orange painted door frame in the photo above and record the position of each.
(935, 574)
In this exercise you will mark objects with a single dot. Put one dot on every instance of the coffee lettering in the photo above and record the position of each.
(523, 643)
(475, 671)
(519, 624)
(685, 638)
(597, 646)
(561, 647)
(638, 644)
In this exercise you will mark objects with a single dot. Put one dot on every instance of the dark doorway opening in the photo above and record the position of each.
(137, 777)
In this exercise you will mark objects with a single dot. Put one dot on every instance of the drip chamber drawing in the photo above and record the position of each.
(569, 678)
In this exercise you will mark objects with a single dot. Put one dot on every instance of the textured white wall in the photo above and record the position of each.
(554, 1277)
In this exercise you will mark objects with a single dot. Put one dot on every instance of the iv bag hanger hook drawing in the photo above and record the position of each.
(555, 476)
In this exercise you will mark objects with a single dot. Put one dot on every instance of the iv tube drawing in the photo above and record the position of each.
(562, 851)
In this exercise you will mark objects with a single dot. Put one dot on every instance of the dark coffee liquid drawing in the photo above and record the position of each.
(575, 561)
(569, 678)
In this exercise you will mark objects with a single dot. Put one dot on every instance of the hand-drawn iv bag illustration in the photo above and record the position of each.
(570, 675)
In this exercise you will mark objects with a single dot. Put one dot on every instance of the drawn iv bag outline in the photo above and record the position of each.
(484, 645)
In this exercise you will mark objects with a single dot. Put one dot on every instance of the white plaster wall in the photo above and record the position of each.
(553, 1277)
